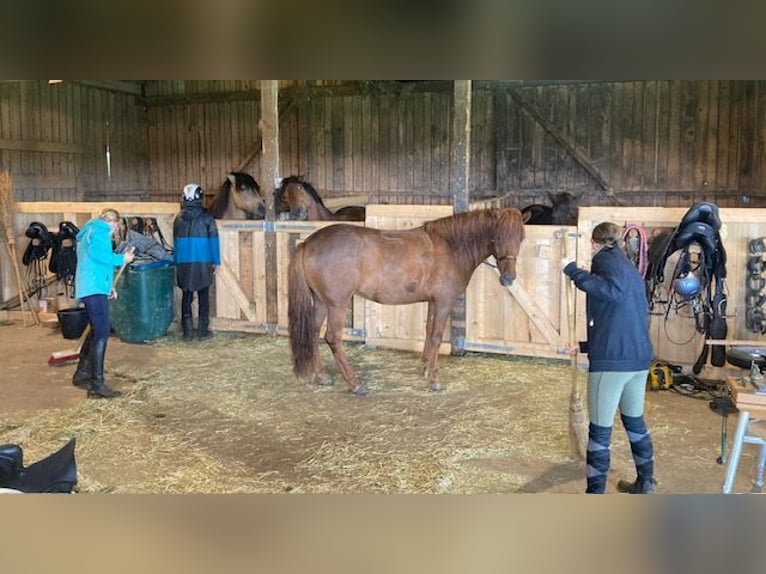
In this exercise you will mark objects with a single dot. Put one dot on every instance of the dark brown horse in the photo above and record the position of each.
(562, 212)
(300, 200)
(239, 197)
(430, 263)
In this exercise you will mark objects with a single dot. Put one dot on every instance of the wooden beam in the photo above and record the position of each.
(571, 147)
(123, 86)
(44, 181)
(258, 145)
(229, 280)
(460, 171)
(94, 207)
(461, 146)
(40, 146)
(269, 125)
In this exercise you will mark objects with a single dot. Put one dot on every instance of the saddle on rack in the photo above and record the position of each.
(57, 473)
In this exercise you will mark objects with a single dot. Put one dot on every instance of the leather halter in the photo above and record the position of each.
(503, 257)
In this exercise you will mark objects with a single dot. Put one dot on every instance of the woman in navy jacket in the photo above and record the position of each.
(619, 354)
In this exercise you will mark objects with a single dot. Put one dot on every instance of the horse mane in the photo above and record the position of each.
(249, 180)
(297, 179)
(220, 200)
(467, 233)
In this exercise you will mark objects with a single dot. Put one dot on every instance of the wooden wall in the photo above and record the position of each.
(657, 142)
(54, 138)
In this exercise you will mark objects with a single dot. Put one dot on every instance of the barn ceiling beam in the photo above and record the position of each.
(305, 91)
(570, 146)
(124, 86)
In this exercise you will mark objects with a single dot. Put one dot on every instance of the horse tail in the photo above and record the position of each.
(300, 315)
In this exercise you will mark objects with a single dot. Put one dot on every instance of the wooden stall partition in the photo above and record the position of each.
(530, 317)
(241, 287)
(673, 334)
(401, 326)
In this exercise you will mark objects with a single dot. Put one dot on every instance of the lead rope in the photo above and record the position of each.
(636, 247)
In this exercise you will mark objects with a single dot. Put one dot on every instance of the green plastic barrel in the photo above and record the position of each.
(143, 309)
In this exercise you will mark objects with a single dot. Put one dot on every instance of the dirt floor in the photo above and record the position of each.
(227, 415)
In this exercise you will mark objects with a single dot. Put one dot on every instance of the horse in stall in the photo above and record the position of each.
(562, 212)
(239, 197)
(300, 201)
(432, 263)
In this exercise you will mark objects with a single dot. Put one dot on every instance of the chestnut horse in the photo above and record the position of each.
(239, 197)
(433, 263)
(300, 200)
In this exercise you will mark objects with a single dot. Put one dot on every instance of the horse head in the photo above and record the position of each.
(245, 194)
(299, 199)
(564, 211)
(506, 243)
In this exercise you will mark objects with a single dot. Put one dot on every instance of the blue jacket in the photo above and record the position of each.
(195, 247)
(95, 259)
(617, 312)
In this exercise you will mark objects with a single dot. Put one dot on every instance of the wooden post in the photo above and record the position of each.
(459, 178)
(461, 149)
(269, 173)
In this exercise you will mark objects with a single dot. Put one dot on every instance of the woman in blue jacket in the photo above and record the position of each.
(93, 287)
(619, 354)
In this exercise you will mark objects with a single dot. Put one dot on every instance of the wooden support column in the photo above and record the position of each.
(269, 172)
(461, 148)
(459, 179)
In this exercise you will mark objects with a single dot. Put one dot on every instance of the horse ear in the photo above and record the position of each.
(232, 178)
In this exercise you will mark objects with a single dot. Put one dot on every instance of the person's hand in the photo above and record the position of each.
(215, 269)
(113, 294)
(130, 254)
(566, 262)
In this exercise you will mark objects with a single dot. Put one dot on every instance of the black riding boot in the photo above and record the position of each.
(84, 373)
(188, 328)
(97, 388)
(203, 332)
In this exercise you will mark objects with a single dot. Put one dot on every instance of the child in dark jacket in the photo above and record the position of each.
(197, 257)
(619, 354)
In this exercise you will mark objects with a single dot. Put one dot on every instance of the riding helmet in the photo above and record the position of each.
(192, 192)
(687, 286)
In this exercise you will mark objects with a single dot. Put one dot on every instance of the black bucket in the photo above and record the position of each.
(73, 322)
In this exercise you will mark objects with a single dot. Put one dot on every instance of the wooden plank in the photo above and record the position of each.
(44, 181)
(228, 279)
(41, 146)
(95, 207)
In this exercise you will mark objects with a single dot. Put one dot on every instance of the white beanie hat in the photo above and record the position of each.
(192, 192)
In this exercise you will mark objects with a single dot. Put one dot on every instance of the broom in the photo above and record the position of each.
(578, 421)
(8, 235)
(61, 358)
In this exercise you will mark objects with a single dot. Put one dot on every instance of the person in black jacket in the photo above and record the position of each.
(196, 254)
(619, 354)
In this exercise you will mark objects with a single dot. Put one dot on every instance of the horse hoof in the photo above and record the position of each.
(436, 387)
(325, 382)
(360, 391)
